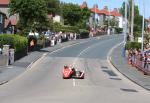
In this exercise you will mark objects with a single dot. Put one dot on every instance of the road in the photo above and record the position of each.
(43, 83)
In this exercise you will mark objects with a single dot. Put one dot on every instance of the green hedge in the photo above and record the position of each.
(65, 28)
(119, 30)
(83, 33)
(17, 42)
(133, 45)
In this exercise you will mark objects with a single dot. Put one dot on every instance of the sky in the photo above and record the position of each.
(114, 4)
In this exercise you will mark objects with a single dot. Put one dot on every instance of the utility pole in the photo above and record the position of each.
(132, 21)
(142, 47)
(125, 30)
(125, 24)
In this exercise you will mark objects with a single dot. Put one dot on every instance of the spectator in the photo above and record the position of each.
(0, 50)
(145, 61)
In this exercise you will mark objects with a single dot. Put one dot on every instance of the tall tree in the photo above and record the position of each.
(137, 17)
(31, 13)
(74, 15)
(53, 6)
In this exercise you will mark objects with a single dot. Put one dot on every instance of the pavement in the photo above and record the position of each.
(120, 63)
(7, 73)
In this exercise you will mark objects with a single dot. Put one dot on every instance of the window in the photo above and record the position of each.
(1, 18)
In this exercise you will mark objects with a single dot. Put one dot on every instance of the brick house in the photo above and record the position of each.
(9, 22)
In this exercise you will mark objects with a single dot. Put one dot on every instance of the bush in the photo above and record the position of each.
(84, 33)
(16, 42)
(57, 28)
(119, 30)
(133, 45)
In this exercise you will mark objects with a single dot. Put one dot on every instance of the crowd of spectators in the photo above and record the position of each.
(50, 38)
(139, 59)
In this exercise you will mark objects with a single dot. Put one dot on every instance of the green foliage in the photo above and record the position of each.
(53, 6)
(137, 16)
(84, 33)
(57, 27)
(17, 42)
(147, 38)
(133, 45)
(74, 15)
(32, 13)
(119, 30)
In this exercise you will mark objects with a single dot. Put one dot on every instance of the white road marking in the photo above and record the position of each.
(74, 82)
(45, 54)
(83, 52)
(29, 66)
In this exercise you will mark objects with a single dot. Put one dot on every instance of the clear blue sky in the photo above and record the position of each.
(113, 4)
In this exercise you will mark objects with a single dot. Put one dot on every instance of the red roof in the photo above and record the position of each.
(4, 2)
(115, 13)
(95, 10)
(104, 11)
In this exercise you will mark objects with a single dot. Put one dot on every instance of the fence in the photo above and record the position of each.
(140, 63)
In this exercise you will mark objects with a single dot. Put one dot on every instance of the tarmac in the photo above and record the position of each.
(118, 61)
(7, 73)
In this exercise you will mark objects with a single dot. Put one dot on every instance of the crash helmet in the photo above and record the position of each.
(65, 66)
(73, 68)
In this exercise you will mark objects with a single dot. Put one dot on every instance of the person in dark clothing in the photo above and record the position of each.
(145, 61)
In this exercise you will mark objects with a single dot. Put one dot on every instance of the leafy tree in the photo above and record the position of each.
(71, 14)
(137, 16)
(74, 15)
(85, 14)
(53, 6)
(32, 13)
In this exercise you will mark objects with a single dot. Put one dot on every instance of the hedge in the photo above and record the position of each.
(133, 45)
(84, 33)
(65, 28)
(119, 30)
(16, 42)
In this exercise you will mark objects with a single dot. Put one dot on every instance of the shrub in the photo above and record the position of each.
(133, 45)
(119, 30)
(64, 28)
(16, 42)
(84, 33)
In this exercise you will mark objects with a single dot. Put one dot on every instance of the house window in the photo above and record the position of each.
(1, 18)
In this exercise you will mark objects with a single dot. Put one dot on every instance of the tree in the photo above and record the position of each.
(74, 15)
(53, 6)
(32, 13)
(137, 17)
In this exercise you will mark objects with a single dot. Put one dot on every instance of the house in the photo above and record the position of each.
(94, 17)
(2, 22)
(117, 17)
(10, 21)
(99, 17)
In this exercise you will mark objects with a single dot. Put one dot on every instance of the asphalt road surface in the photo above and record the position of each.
(43, 83)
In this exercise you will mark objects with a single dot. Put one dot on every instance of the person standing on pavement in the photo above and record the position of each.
(145, 61)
